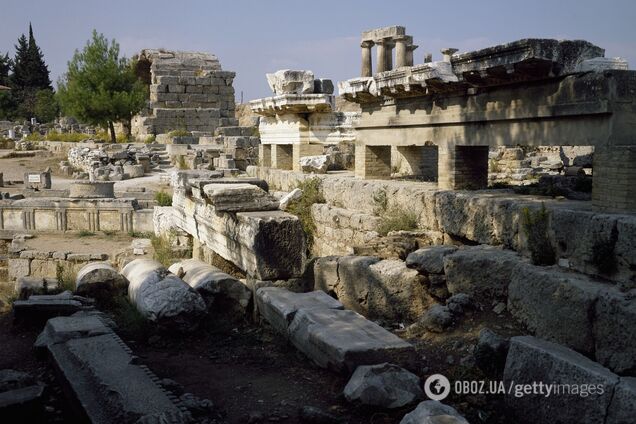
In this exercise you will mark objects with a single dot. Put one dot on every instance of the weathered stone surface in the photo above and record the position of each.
(26, 286)
(279, 306)
(555, 305)
(482, 272)
(97, 279)
(615, 332)
(437, 318)
(287, 81)
(218, 289)
(19, 268)
(101, 367)
(378, 289)
(162, 297)
(239, 198)
(433, 412)
(285, 201)
(62, 329)
(430, 259)
(12, 379)
(491, 351)
(45, 306)
(385, 385)
(22, 404)
(622, 410)
(343, 340)
(314, 164)
(531, 360)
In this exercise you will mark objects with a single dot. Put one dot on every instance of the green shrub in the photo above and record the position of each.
(85, 233)
(163, 198)
(181, 162)
(140, 234)
(392, 217)
(535, 225)
(150, 139)
(312, 193)
(129, 320)
(164, 251)
(65, 277)
(179, 133)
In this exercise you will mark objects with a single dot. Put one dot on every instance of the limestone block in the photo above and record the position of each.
(322, 85)
(342, 340)
(429, 259)
(18, 268)
(384, 385)
(216, 287)
(534, 361)
(433, 412)
(555, 305)
(287, 81)
(134, 171)
(279, 306)
(600, 64)
(26, 286)
(622, 410)
(98, 279)
(482, 272)
(314, 164)
(62, 329)
(162, 297)
(285, 201)
(239, 198)
(43, 268)
(615, 332)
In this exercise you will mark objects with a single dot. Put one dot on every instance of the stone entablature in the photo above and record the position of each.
(300, 119)
(188, 91)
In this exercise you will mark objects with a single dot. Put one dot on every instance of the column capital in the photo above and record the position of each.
(367, 44)
(411, 47)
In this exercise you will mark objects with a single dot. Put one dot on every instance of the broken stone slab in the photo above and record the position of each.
(622, 410)
(47, 306)
(555, 305)
(99, 279)
(600, 64)
(287, 81)
(22, 404)
(102, 375)
(433, 412)
(285, 201)
(26, 286)
(491, 351)
(532, 361)
(239, 198)
(430, 259)
(215, 286)
(266, 245)
(12, 379)
(482, 272)
(615, 332)
(279, 306)
(162, 297)
(342, 340)
(314, 164)
(62, 329)
(384, 385)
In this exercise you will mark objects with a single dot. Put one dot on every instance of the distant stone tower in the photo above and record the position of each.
(188, 91)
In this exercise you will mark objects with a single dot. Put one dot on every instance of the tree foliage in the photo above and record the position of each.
(101, 88)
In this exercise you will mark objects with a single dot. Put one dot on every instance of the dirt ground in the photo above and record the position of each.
(96, 243)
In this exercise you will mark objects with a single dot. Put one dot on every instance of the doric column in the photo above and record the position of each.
(401, 53)
(409, 54)
(448, 53)
(367, 67)
(389, 54)
(381, 56)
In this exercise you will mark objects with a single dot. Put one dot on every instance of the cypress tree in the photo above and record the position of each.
(38, 71)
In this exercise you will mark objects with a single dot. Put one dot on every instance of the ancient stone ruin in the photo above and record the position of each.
(188, 91)
(472, 225)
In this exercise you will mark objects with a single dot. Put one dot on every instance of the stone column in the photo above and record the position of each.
(448, 53)
(409, 54)
(389, 54)
(401, 53)
(381, 56)
(367, 67)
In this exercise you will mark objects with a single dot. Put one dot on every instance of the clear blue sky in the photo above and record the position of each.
(255, 37)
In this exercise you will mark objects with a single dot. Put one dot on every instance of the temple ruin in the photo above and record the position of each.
(440, 118)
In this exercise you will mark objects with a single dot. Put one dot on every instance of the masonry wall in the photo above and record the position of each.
(614, 177)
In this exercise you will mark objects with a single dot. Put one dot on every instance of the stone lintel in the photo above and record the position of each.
(385, 32)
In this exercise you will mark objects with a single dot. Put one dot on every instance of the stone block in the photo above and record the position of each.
(343, 340)
(555, 305)
(239, 198)
(43, 268)
(622, 410)
(433, 412)
(291, 82)
(279, 306)
(615, 332)
(430, 259)
(384, 385)
(533, 361)
(62, 329)
(18, 268)
(481, 272)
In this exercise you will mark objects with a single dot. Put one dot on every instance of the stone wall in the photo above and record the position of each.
(34, 263)
(338, 229)
(494, 217)
(188, 91)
